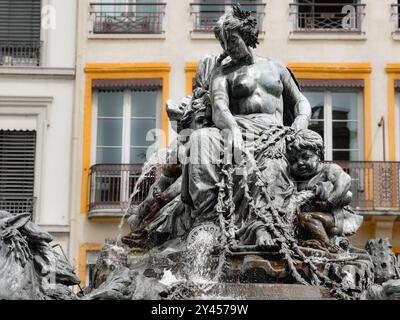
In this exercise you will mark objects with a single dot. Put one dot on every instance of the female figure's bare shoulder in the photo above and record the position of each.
(271, 64)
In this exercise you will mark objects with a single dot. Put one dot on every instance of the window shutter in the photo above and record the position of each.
(20, 20)
(17, 170)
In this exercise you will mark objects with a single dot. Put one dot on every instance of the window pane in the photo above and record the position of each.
(344, 106)
(138, 155)
(108, 155)
(147, 8)
(109, 132)
(110, 103)
(139, 131)
(317, 126)
(209, 14)
(144, 104)
(247, 4)
(117, 7)
(346, 155)
(345, 135)
(316, 100)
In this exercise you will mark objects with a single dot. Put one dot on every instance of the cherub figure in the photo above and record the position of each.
(326, 214)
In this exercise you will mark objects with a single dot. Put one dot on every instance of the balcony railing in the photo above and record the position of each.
(17, 205)
(375, 184)
(20, 53)
(206, 15)
(112, 184)
(396, 17)
(327, 17)
(127, 18)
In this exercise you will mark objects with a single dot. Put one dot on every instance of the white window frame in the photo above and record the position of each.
(126, 134)
(328, 127)
(37, 108)
(91, 260)
(126, 125)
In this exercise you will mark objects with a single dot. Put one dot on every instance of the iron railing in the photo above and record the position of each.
(17, 205)
(112, 184)
(206, 15)
(396, 17)
(127, 18)
(327, 17)
(375, 184)
(20, 53)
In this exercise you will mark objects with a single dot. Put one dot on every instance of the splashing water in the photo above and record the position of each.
(200, 251)
(155, 159)
(168, 279)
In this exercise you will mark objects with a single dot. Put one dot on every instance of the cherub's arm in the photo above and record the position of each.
(341, 186)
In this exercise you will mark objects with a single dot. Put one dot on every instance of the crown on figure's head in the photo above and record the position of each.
(244, 16)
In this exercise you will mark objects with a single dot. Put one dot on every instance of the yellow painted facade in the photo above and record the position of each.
(393, 72)
(117, 71)
(83, 251)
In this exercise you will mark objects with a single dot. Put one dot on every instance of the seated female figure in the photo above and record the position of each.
(249, 97)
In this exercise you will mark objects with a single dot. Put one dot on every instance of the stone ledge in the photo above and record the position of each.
(160, 36)
(41, 72)
(378, 212)
(326, 36)
(195, 35)
(106, 213)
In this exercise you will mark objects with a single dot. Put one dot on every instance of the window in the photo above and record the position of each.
(207, 12)
(328, 15)
(17, 170)
(124, 123)
(397, 124)
(91, 259)
(124, 120)
(128, 16)
(396, 15)
(20, 24)
(337, 117)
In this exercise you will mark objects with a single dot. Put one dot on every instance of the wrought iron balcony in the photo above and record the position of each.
(17, 204)
(327, 17)
(375, 185)
(396, 17)
(127, 18)
(112, 184)
(20, 53)
(206, 15)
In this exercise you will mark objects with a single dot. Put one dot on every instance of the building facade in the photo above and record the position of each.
(37, 76)
(134, 55)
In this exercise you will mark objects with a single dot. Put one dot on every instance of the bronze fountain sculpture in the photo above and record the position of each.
(243, 198)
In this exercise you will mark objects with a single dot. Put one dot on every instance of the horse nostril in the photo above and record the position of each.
(383, 265)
